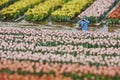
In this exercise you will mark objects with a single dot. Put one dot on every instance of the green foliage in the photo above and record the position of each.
(114, 21)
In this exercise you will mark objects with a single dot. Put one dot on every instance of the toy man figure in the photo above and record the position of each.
(84, 24)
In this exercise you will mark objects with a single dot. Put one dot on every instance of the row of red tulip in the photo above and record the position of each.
(115, 13)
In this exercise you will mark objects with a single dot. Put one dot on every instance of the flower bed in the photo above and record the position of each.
(60, 46)
(18, 8)
(43, 10)
(5, 3)
(58, 54)
(32, 77)
(114, 17)
(95, 12)
(71, 71)
(70, 10)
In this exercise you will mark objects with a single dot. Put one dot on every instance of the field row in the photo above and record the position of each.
(5, 3)
(115, 15)
(95, 12)
(68, 71)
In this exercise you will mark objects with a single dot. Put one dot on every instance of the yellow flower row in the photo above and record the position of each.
(17, 7)
(44, 9)
(71, 8)
(3, 2)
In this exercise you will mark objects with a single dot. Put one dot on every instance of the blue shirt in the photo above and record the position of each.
(84, 24)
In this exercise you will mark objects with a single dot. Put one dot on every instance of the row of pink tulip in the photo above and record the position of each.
(22, 41)
(63, 57)
(96, 10)
(64, 49)
(55, 33)
(58, 68)
(25, 31)
(5, 76)
(73, 45)
(38, 46)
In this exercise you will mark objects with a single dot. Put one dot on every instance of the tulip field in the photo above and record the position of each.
(39, 53)
(34, 54)
(60, 10)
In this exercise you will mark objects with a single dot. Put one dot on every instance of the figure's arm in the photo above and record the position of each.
(87, 21)
(79, 22)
